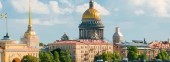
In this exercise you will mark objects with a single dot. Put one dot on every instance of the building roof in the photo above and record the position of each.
(137, 44)
(82, 42)
(160, 44)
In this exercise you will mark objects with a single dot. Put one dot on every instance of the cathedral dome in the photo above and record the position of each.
(91, 13)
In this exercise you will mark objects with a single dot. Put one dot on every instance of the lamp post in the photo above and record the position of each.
(4, 17)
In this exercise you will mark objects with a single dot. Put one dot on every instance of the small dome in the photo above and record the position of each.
(91, 13)
(65, 37)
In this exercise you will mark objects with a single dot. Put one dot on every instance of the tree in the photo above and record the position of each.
(46, 57)
(65, 56)
(57, 49)
(116, 57)
(41, 44)
(163, 55)
(105, 56)
(68, 56)
(97, 57)
(56, 57)
(30, 58)
(142, 57)
(132, 53)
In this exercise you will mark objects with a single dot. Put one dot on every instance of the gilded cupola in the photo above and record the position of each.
(91, 13)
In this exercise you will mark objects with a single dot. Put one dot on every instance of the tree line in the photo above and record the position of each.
(108, 56)
(56, 55)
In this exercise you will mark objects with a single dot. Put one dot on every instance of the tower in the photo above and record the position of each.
(30, 37)
(91, 26)
(117, 37)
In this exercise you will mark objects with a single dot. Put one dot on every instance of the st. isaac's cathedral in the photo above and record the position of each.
(91, 41)
(13, 51)
(91, 38)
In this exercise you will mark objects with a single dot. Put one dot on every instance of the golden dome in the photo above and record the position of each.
(91, 13)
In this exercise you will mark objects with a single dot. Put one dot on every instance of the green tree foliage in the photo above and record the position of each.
(30, 58)
(142, 57)
(116, 57)
(65, 56)
(163, 55)
(41, 44)
(108, 56)
(68, 56)
(57, 49)
(56, 57)
(132, 53)
(98, 57)
(46, 57)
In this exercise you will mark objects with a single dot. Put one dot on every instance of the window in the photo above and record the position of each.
(81, 56)
(82, 51)
(81, 46)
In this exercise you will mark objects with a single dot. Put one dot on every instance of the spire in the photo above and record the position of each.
(91, 4)
(117, 29)
(168, 40)
(30, 21)
(145, 41)
(29, 18)
(30, 30)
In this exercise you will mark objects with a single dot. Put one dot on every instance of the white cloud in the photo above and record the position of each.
(137, 2)
(66, 2)
(102, 10)
(58, 10)
(54, 7)
(139, 12)
(36, 6)
(159, 8)
(0, 5)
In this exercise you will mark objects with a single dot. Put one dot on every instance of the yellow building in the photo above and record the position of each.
(13, 51)
(82, 50)
(91, 38)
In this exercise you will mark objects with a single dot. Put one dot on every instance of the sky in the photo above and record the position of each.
(137, 19)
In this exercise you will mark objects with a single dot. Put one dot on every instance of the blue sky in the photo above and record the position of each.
(137, 19)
